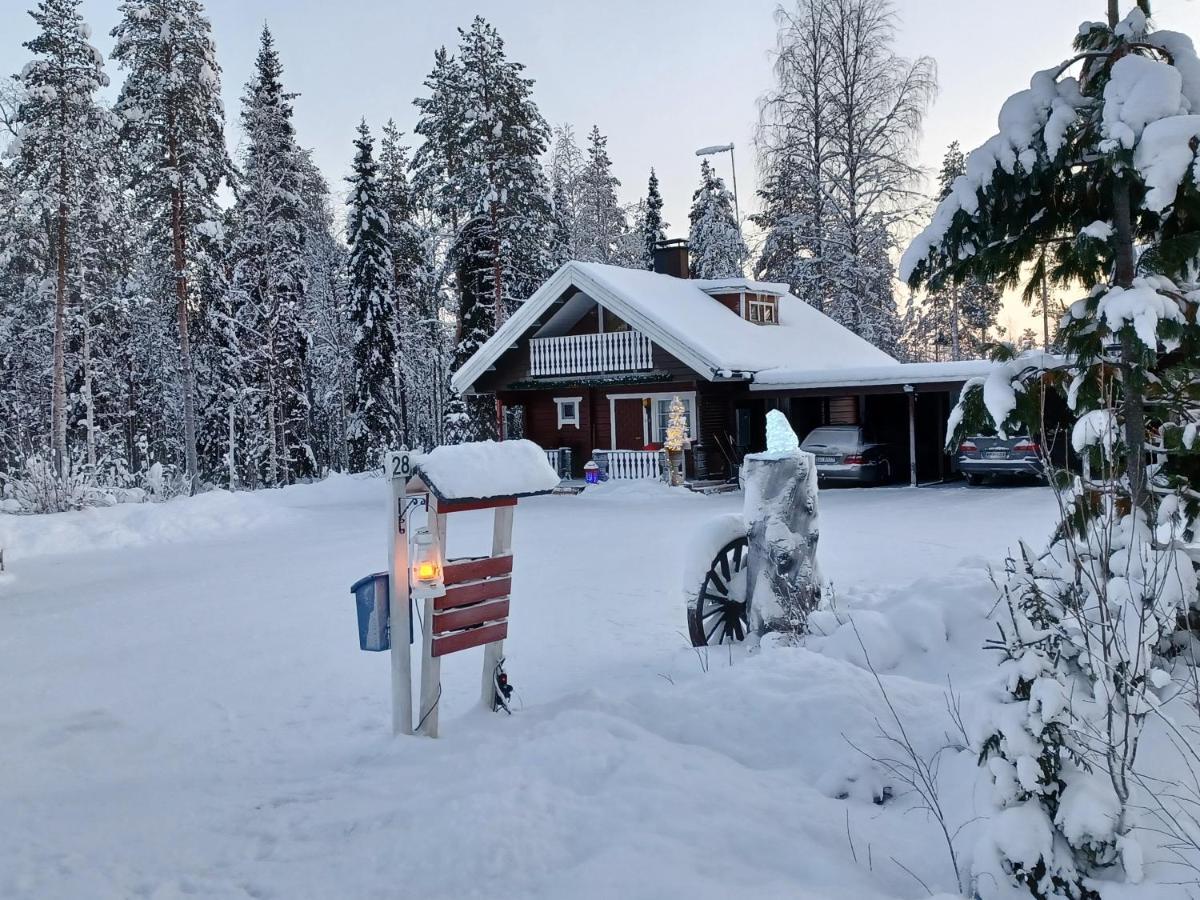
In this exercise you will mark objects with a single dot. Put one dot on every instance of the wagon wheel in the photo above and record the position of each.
(719, 614)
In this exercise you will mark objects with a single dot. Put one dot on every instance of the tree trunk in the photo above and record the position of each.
(89, 395)
(1133, 403)
(1045, 306)
(954, 339)
(187, 371)
(58, 400)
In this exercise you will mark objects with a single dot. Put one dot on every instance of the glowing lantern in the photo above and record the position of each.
(427, 566)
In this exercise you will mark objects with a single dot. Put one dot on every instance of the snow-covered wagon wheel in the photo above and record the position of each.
(718, 613)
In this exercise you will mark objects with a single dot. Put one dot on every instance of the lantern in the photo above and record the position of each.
(591, 472)
(427, 566)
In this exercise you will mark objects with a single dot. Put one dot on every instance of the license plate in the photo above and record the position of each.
(995, 454)
(826, 460)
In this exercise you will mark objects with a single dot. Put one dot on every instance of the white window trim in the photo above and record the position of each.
(648, 429)
(558, 406)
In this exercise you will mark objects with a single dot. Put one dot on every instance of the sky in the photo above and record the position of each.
(660, 79)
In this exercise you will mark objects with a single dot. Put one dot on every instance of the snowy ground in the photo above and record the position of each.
(186, 712)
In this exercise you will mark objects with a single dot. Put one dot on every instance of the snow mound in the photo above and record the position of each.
(487, 469)
(210, 515)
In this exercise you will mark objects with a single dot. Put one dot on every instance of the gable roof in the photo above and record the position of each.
(679, 315)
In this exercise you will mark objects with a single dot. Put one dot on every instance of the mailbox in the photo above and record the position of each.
(374, 618)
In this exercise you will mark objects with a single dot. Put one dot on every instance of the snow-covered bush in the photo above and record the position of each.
(1097, 170)
(39, 489)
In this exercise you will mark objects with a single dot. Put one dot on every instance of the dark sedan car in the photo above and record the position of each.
(980, 457)
(847, 453)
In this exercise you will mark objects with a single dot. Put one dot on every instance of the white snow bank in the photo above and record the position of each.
(487, 469)
(210, 515)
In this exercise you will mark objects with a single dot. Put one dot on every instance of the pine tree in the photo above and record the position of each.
(269, 280)
(717, 247)
(479, 166)
(653, 228)
(175, 123)
(372, 312)
(600, 221)
(57, 116)
(566, 174)
(1126, 227)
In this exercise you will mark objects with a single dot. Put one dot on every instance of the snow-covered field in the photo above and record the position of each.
(186, 712)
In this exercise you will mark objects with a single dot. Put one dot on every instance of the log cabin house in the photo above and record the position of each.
(589, 365)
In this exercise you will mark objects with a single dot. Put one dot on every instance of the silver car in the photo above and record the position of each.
(846, 453)
(980, 457)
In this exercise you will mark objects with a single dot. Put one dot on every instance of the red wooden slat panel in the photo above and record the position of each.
(452, 506)
(458, 571)
(475, 637)
(466, 616)
(475, 592)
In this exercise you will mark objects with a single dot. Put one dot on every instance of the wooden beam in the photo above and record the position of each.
(464, 640)
(474, 592)
(445, 507)
(459, 571)
(470, 616)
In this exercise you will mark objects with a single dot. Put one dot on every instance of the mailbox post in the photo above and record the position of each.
(398, 466)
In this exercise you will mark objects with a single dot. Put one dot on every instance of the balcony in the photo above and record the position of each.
(580, 354)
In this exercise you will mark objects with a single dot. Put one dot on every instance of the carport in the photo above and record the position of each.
(905, 405)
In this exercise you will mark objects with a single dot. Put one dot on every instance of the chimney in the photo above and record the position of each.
(671, 258)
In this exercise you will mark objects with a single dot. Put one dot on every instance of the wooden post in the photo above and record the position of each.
(912, 434)
(431, 666)
(400, 612)
(493, 653)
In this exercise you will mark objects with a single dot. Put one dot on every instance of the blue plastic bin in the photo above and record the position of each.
(371, 598)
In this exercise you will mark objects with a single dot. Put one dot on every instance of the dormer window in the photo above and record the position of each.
(762, 309)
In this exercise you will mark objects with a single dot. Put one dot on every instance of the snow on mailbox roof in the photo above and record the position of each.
(487, 469)
(679, 315)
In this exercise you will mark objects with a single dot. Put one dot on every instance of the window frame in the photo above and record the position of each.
(563, 422)
(658, 423)
(756, 303)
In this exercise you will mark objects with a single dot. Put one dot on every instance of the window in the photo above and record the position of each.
(662, 415)
(762, 310)
(568, 410)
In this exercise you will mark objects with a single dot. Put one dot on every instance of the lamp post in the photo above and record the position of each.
(723, 148)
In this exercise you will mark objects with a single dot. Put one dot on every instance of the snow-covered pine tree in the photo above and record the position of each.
(1109, 136)
(715, 240)
(175, 124)
(653, 229)
(459, 427)
(373, 416)
(483, 139)
(269, 280)
(599, 218)
(407, 259)
(57, 116)
(331, 334)
(566, 173)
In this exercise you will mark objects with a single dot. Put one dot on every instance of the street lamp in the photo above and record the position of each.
(723, 148)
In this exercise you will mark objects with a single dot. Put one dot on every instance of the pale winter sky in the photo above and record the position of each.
(660, 79)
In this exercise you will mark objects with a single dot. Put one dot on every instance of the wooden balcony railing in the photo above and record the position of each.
(579, 354)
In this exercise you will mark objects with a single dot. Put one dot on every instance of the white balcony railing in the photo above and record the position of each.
(578, 354)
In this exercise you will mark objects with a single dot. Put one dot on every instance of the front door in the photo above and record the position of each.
(630, 421)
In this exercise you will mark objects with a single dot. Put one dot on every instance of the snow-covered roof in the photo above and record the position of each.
(678, 315)
(729, 285)
(487, 469)
(867, 376)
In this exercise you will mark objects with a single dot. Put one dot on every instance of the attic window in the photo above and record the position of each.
(762, 309)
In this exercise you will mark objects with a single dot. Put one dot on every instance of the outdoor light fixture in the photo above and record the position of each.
(427, 566)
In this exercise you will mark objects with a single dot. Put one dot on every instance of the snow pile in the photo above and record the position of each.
(1140, 91)
(1143, 307)
(1097, 427)
(487, 469)
(1164, 158)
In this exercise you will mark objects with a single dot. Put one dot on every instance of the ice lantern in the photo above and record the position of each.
(427, 566)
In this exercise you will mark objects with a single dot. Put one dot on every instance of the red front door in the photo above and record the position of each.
(630, 419)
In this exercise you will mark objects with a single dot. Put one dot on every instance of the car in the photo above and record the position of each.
(981, 456)
(847, 453)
